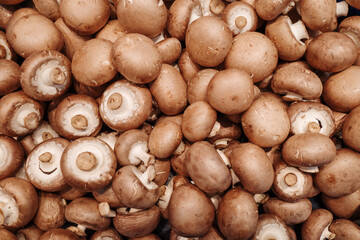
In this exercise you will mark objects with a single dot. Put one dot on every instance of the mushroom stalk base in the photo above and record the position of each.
(342, 9)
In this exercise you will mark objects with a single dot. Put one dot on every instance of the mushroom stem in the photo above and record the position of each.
(215, 129)
(45, 157)
(314, 127)
(2, 52)
(299, 31)
(342, 9)
(164, 198)
(326, 234)
(224, 157)
(216, 6)
(86, 161)
(148, 175)
(31, 121)
(290, 179)
(240, 22)
(78, 230)
(180, 149)
(288, 7)
(139, 152)
(222, 143)
(292, 97)
(57, 76)
(79, 122)
(309, 169)
(114, 102)
(105, 211)
(261, 198)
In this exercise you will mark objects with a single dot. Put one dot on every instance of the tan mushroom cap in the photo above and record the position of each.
(85, 17)
(40, 34)
(5, 15)
(137, 58)
(268, 10)
(50, 8)
(350, 26)
(162, 171)
(45, 75)
(11, 155)
(59, 234)
(109, 233)
(9, 76)
(144, 17)
(111, 31)
(266, 122)
(92, 64)
(339, 177)
(351, 128)
(316, 226)
(331, 52)
(208, 41)
(197, 85)
(254, 53)
(341, 90)
(191, 212)
(345, 229)
(170, 49)
(237, 214)
(21, 12)
(85, 211)
(343, 207)
(230, 91)
(169, 90)
(187, 66)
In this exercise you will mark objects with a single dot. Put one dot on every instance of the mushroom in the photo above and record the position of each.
(331, 52)
(124, 105)
(109, 233)
(19, 13)
(11, 156)
(228, 131)
(88, 164)
(240, 16)
(19, 202)
(43, 165)
(94, 92)
(290, 212)
(92, 63)
(197, 85)
(31, 232)
(111, 31)
(269, 10)
(85, 18)
(59, 234)
(254, 53)
(85, 213)
(6, 50)
(272, 227)
(317, 225)
(311, 117)
(21, 114)
(253, 167)
(300, 151)
(5, 15)
(170, 49)
(107, 195)
(237, 214)
(45, 75)
(350, 128)
(339, 177)
(230, 91)
(71, 193)
(49, 8)
(136, 57)
(109, 137)
(178, 161)
(343, 207)
(135, 188)
(266, 122)
(187, 66)
(134, 223)
(191, 213)
(344, 229)
(51, 212)
(148, 18)
(206, 168)
(5, 234)
(40, 34)
(208, 41)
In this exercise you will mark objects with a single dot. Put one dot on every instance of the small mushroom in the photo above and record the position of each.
(5, 15)
(11, 156)
(343, 207)
(88, 164)
(94, 92)
(45, 75)
(317, 225)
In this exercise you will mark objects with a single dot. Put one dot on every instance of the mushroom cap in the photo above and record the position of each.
(85, 17)
(94, 92)
(50, 213)
(253, 167)
(137, 58)
(343, 207)
(109, 233)
(137, 224)
(237, 214)
(339, 177)
(187, 66)
(351, 129)
(198, 120)
(344, 229)
(5, 234)
(254, 53)
(11, 156)
(208, 41)
(268, 10)
(148, 237)
(59, 234)
(169, 90)
(266, 122)
(40, 34)
(197, 85)
(21, 12)
(71, 193)
(271, 227)
(108, 195)
(206, 168)
(230, 91)
(314, 226)
(290, 212)
(299, 150)
(162, 171)
(101, 171)
(191, 212)
(331, 52)
(111, 31)
(135, 107)
(340, 90)
(29, 232)
(144, 17)
(170, 49)
(9, 76)
(45, 75)
(92, 64)
(85, 211)
(49, 8)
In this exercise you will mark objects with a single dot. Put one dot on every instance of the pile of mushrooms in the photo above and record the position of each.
(179, 119)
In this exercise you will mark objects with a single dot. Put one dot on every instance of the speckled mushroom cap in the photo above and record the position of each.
(124, 105)
(77, 116)
(21, 114)
(11, 156)
(88, 164)
(43, 165)
(45, 75)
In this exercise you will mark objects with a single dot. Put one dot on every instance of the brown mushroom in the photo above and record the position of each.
(187, 66)
(59, 234)
(269, 10)
(108, 195)
(344, 207)
(197, 85)
(6, 50)
(49, 8)
(11, 155)
(71, 193)
(170, 49)
(350, 129)
(317, 225)
(5, 15)
(344, 229)
(9, 76)
(31, 232)
(109, 233)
